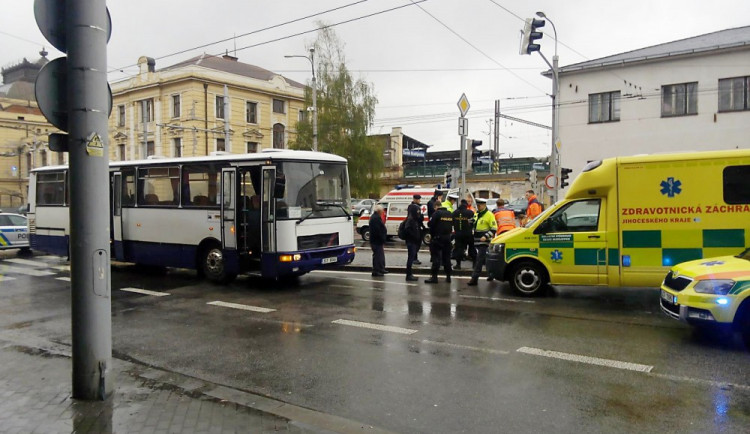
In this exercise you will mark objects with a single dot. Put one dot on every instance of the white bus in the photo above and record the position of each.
(274, 214)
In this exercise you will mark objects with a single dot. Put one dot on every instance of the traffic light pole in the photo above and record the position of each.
(88, 102)
(554, 163)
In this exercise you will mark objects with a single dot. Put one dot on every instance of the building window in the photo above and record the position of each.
(60, 158)
(177, 146)
(147, 110)
(679, 99)
(278, 136)
(150, 149)
(176, 110)
(29, 163)
(220, 145)
(121, 152)
(43, 157)
(120, 115)
(251, 112)
(252, 147)
(278, 106)
(604, 107)
(734, 94)
(219, 107)
(302, 116)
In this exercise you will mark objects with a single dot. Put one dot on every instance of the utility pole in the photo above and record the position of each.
(73, 95)
(496, 157)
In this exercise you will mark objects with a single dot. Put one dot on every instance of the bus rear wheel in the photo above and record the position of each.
(528, 279)
(213, 265)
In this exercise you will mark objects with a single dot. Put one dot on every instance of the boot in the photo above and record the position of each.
(411, 278)
(458, 265)
(473, 281)
(432, 279)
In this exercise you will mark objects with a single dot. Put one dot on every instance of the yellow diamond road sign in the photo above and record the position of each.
(463, 104)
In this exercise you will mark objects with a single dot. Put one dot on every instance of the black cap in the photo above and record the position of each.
(416, 196)
(464, 202)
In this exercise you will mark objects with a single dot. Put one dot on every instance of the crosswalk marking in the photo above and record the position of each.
(146, 292)
(6, 278)
(64, 279)
(27, 271)
(367, 325)
(512, 300)
(241, 306)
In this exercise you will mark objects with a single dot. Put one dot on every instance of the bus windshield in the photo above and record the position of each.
(311, 190)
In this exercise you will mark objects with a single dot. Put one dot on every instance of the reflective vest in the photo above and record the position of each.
(448, 206)
(534, 209)
(506, 219)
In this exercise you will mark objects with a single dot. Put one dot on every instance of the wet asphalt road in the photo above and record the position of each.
(412, 357)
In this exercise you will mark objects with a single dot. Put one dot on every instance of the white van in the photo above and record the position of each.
(395, 204)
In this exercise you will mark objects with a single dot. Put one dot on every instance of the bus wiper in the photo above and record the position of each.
(312, 211)
(336, 204)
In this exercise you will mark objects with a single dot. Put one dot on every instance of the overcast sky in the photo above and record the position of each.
(420, 58)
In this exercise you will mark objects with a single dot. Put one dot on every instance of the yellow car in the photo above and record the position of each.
(710, 291)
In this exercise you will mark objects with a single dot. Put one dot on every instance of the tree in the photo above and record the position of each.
(346, 109)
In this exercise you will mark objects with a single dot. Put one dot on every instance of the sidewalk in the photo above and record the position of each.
(35, 397)
(395, 262)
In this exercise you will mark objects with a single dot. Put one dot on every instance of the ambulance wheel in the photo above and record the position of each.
(213, 266)
(528, 278)
(365, 232)
(426, 238)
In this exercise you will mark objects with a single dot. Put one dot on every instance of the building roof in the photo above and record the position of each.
(231, 65)
(724, 39)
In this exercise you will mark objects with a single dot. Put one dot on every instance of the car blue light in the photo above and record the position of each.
(722, 301)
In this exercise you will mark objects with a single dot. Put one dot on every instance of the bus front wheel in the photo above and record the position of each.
(213, 265)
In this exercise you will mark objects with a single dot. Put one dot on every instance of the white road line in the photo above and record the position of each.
(64, 279)
(462, 347)
(6, 278)
(26, 271)
(367, 325)
(146, 292)
(586, 359)
(376, 281)
(52, 257)
(512, 300)
(712, 383)
(62, 267)
(241, 306)
(27, 262)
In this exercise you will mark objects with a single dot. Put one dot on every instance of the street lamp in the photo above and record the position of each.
(311, 58)
(555, 155)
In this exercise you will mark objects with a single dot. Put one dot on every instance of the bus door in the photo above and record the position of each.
(119, 251)
(268, 211)
(228, 205)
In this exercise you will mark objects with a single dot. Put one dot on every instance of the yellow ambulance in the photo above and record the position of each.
(625, 221)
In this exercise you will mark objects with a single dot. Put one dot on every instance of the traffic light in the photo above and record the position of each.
(564, 175)
(530, 34)
(531, 177)
(448, 178)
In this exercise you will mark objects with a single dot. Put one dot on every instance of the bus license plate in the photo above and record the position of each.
(329, 260)
(668, 297)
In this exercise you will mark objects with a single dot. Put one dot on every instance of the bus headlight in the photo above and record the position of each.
(497, 248)
(711, 286)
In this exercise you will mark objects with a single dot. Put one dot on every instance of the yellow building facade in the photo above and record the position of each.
(203, 105)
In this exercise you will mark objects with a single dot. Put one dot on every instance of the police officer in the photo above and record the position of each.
(463, 225)
(415, 208)
(437, 197)
(450, 203)
(485, 227)
(441, 225)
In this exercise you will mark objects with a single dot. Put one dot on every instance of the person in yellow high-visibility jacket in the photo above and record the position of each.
(450, 203)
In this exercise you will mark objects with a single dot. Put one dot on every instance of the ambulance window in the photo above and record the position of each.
(737, 184)
(579, 216)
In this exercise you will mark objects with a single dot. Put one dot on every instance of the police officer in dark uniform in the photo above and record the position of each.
(441, 226)
(436, 197)
(463, 227)
(415, 207)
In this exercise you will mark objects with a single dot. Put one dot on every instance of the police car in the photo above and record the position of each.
(710, 291)
(14, 232)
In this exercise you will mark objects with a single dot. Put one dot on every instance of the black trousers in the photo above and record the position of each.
(440, 253)
(462, 242)
(481, 259)
(411, 249)
(378, 258)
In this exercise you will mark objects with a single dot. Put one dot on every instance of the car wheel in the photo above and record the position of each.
(365, 232)
(213, 265)
(743, 322)
(528, 278)
(25, 251)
